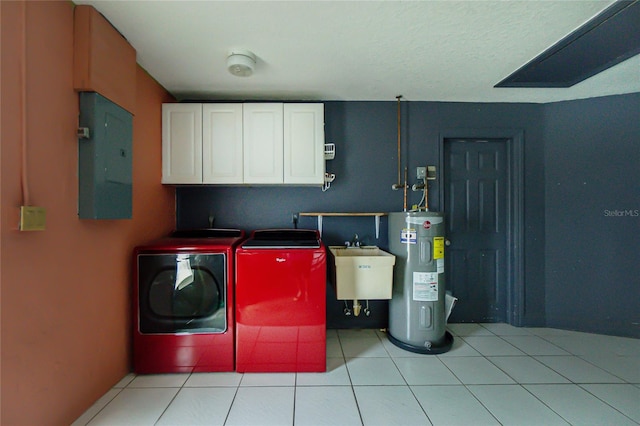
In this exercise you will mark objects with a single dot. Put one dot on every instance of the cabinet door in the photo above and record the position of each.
(304, 144)
(182, 143)
(222, 143)
(263, 143)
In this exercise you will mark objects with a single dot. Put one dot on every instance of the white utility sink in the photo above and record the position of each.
(362, 273)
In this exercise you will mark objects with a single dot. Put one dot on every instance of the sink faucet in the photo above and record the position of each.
(355, 242)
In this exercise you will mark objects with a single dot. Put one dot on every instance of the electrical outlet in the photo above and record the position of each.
(421, 172)
(32, 218)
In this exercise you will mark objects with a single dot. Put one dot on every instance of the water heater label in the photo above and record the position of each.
(438, 247)
(425, 286)
(440, 265)
(408, 236)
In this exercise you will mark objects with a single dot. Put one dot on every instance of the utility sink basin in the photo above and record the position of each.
(362, 273)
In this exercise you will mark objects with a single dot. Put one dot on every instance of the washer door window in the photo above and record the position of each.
(182, 293)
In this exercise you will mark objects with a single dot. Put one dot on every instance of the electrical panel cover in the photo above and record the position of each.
(105, 159)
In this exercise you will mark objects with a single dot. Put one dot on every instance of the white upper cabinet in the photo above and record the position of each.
(262, 145)
(304, 143)
(182, 143)
(251, 143)
(222, 143)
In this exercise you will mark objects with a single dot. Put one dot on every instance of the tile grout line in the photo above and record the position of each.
(233, 400)
(543, 403)
(480, 402)
(353, 391)
(600, 368)
(106, 404)
(465, 385)
(172, 399)
(516, 382)
(570, 354)
(605, 402)
(393, 360)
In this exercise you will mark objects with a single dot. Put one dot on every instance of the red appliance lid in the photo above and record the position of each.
(283, 238)
(207, 233)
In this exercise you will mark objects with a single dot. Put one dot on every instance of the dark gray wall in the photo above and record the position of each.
(581, 239)
(428, 122)
(365, 135)
(592, 165)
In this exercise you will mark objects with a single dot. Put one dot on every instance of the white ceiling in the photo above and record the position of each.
(358, 50)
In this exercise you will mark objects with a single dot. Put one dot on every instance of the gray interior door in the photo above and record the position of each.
(476, 196)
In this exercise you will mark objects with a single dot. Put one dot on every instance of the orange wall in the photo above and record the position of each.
(65, 292)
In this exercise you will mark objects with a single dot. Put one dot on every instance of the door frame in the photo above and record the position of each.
(515, 303)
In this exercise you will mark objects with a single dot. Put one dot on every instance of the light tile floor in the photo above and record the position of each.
(495, 374)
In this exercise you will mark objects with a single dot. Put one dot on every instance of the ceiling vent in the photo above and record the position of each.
(609, 38)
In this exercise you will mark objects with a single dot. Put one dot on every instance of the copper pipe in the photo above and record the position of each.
(399, 162)
(426, 196)
(399, 185)
(404, 204)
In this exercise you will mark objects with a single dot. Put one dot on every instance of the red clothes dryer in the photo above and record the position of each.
(281, 302)
(183, 302)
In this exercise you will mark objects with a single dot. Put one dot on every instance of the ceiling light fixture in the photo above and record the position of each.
(241, 62)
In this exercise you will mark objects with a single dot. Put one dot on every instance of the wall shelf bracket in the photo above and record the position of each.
(320, 216)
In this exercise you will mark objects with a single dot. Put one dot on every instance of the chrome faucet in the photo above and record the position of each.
(355, 242)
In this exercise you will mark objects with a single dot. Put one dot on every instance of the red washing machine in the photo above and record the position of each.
(183, 302)
(281, 302)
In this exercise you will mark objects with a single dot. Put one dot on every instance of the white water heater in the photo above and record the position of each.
(417, 316)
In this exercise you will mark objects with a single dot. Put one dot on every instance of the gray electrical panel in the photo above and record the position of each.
(105, 159)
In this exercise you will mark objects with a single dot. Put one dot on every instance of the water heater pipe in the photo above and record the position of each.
(426, 196)
(404, 202)
(399, 136)
(399, 184)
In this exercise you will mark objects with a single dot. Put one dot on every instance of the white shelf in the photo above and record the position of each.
(320, 215)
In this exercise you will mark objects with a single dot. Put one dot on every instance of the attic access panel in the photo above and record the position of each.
(105, 159)
(611, 37)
